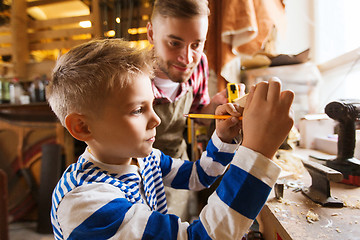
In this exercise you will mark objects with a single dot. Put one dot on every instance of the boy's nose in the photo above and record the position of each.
(155, 120)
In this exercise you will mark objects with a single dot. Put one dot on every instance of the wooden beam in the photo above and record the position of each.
(5, 39)
(61, 33)
(5, 51)
(41, 24)
(57, 44)
(20, 46)
(4, 29)
(46, 2)
(96, 19)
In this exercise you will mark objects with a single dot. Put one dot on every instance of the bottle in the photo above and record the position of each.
(4, 86)
(4, 90)
(37, 90)
(1, 91)
(16, 91)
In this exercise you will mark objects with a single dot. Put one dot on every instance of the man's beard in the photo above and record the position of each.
(165, 67)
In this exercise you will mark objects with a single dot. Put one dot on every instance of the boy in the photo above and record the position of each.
(101, 92)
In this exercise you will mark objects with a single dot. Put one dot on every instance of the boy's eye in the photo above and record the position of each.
(138, 111)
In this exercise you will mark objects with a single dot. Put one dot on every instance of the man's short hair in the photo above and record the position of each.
(83, 77)
(180, 8)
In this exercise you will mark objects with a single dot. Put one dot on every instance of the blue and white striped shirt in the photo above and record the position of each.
(94, 200)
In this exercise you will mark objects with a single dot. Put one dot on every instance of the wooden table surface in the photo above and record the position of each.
(287, 218)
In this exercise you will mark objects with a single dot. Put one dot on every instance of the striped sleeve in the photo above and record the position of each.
(201, 174)
(240, 196)
(101, 211)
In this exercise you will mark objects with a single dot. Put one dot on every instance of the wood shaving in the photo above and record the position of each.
(312, 217)
(277, 210)
(285, 201)
(349, 205)
(290, 163)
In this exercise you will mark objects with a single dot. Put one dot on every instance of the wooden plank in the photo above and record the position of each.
(5, 39)
(96, 19)
(61, 33)
(5, 29)
(20, 46)
(5, 51)
(57, 44)
(45, 2)
(39, 24)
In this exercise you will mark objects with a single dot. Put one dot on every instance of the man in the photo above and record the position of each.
(178, 32)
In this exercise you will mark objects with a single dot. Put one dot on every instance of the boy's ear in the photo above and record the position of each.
(150, 32)
(77, 126)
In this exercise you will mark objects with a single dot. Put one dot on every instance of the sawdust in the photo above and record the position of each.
(290, 163)
(312, 217)
(285, 201)
(347, 203)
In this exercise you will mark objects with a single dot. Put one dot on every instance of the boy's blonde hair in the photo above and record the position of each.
(83, 77)
(180, 8)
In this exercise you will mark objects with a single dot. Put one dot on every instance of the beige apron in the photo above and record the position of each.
(170, 140)
(169, 134)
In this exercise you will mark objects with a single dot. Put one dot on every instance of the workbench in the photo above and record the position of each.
(286, 218)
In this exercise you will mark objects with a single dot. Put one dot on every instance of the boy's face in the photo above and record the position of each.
(178, 45)
(127, 127)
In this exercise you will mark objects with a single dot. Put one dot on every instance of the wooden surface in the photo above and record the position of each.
(25, 119)
(4, 235)
(286, 219)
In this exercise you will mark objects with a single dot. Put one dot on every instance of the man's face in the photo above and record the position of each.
(178, 45)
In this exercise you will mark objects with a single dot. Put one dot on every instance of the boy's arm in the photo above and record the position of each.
(101, 211)
(237, 201)
(198, 175)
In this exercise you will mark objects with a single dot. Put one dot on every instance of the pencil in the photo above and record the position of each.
(208, 116)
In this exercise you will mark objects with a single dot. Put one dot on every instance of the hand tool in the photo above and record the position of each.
(346, 112)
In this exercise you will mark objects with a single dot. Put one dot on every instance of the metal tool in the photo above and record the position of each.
(346, 112)
(319, 191)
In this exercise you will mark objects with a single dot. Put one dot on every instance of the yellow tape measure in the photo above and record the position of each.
(233, 91)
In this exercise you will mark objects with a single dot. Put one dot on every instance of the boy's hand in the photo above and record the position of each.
(229, 128)
(267, 117)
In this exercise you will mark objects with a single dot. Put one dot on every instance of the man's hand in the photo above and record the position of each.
(267, 117)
